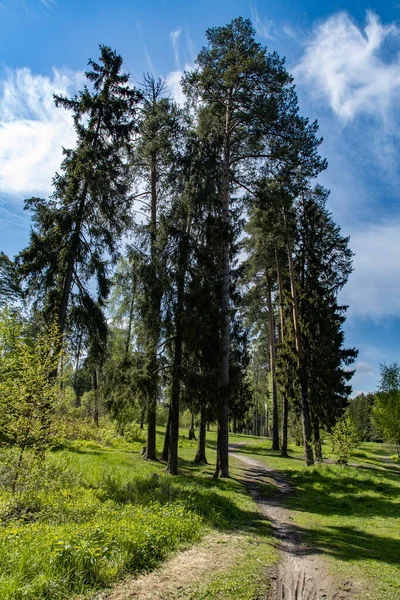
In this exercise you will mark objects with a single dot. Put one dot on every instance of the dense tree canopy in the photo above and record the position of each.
(187, 256)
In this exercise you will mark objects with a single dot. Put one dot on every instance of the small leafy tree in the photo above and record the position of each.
(344, 439)
(386, 410)
(28, 393)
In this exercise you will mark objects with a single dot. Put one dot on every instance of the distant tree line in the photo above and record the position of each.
(223, 297)
(377, 415)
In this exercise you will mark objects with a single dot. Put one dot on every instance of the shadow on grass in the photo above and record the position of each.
(217, 501)
(352, 544)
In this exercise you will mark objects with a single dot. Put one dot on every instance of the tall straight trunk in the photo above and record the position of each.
(317, 440)
(285, 402)
(74, 385)
(164, 454)
(255, 419)
(174, 407)
(305, 409)
(177, 366)
(192, 433)
(200, 457)
(96, 397)
(222, 467)
(150, 451)
(275, 417)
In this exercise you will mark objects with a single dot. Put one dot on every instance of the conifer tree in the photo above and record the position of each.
(76, 232)
(155, 156)
(244, 94)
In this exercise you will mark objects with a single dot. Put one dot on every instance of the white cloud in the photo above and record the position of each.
(373, 290)
(265, 28)
(174, 37)
(173, 81)
(347, 65)
(33, 130)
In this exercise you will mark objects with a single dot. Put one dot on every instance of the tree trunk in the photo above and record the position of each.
(305, 410)
(78, 355)
(317, 440)
(164, 454)
(150, 452)
(275, 417)
(285, 419)
(255, 418)
(174, 408)
(96, 397)
(192, 433)
(285, 402)
(222, 467)
(200, 457)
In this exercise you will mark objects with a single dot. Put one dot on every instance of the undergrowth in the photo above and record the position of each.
(91, 513)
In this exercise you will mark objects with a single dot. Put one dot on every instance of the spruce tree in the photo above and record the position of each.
(76, 232)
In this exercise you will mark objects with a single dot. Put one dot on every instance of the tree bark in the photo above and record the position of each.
(192, 433)
(174, 408)
(96, 398)
(275, 417)
(164, 454)
(222, 467)
(285, 402)
(317, 441)
(150, 452)
(200, 457)
(305, 410)
(78, 355)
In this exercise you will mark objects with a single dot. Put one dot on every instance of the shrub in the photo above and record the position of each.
(133, 433)
(344, 439)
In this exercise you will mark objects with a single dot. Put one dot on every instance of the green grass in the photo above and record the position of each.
(351, 514)
(96, 513)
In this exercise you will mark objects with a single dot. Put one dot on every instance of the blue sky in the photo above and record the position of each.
(345, 57)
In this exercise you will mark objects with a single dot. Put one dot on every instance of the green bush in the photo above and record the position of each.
(344, 439)
(133, 433)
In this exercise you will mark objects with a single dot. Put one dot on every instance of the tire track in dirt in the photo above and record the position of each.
(301, 573)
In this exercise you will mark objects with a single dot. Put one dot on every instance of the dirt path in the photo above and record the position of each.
(216, 552)
(301, 573)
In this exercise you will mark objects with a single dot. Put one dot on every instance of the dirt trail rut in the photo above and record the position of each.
(301, 573)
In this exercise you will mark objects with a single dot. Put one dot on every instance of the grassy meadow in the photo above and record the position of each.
(95, 513)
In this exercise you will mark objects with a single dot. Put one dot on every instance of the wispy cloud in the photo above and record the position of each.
(265, 28)
(32, 129)
(174, 37)
(349, 66)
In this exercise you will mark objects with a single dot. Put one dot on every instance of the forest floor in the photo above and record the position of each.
(99, 522)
